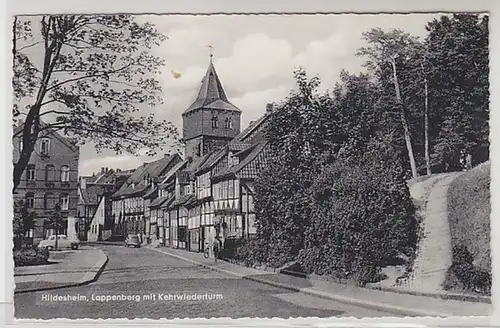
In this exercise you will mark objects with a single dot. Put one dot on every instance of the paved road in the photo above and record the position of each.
(137, 273)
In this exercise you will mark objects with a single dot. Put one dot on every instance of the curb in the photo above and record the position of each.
(93, 274)
(346, 300)
(450, 296)
(207, 266)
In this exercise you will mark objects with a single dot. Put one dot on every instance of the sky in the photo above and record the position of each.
(254, 57)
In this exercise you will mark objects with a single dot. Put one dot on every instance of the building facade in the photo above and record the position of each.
(129, 202)
(207, 194)
(50, 178)
(94, 207)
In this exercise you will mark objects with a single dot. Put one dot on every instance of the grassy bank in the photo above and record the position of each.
(469, 213)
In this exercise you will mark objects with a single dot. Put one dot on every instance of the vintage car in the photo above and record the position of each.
(62, 242)
(132, 240)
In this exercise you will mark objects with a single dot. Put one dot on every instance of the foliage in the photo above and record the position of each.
(459, 87)
(94, 73)
(469, 209)
(23, 221)
(463, 275)
(30, 256)
(362, 218)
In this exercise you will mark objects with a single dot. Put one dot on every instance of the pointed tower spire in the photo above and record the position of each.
(211, 94)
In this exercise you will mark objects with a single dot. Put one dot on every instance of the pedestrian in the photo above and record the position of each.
(216, 248)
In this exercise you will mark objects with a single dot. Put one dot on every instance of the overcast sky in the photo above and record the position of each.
(254, 57)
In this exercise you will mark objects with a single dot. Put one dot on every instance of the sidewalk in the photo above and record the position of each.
(403, 304)
(70, 268)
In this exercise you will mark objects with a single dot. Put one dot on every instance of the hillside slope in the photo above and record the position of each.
(469, 213)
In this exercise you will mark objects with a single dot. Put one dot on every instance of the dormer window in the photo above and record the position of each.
(214, 122)
(44, 146)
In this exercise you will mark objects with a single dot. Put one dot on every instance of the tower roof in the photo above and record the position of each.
(211, 94)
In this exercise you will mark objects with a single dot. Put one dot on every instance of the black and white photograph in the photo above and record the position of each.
(250, 166)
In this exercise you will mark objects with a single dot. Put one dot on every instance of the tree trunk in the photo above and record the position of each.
(404, 121)
(426, 124)
(31, 127)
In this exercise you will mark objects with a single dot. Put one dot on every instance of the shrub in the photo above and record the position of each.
(362, 217)
(461, 255)
(463, 275)
(30, 256)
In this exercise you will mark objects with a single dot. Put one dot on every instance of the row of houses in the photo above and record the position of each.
(178, 201)
(185, 201)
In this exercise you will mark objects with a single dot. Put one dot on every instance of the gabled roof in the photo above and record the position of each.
(136, 184)
(249, 166)
(49, 132)
(184, 200)
(162, 201)
(244, 136)
(92, 193)
(211, 94)
(151, 192)
(173, 171)
(211, 160)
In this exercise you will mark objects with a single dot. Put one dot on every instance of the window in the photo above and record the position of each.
(228, 123)
(64, 173)
(214, 122)
(29, 233)
(44, 146)
(30, 200)
(20, 144)
(50, 173)
(64, 202)
(47, 201)
(30, 172)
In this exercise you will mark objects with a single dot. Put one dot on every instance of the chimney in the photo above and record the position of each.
(107, 170)
(102, 170)
(269, 107)
(251, 123)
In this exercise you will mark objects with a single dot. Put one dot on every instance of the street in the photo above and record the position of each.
(142, 283)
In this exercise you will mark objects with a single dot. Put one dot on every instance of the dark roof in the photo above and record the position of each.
(184, 200)
(135, 183)
(151, 192)
(212, 158)
(92, 193)
(172, 172)
(243, 137)
(211, 94)
(249, 165)
(162, 201)
(237, 146)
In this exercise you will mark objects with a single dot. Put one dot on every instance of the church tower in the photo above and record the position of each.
(211, 121)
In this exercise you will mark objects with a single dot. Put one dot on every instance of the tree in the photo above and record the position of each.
(54, 221)
(392, 49)
(426, 122)
(458, 77)
(86, 75)
(24, 221)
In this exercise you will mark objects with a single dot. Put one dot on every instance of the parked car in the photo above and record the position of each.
(62, 242)
(132, 240)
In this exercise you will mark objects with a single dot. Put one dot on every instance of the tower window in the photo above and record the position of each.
(228, 123)
(214, 122)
